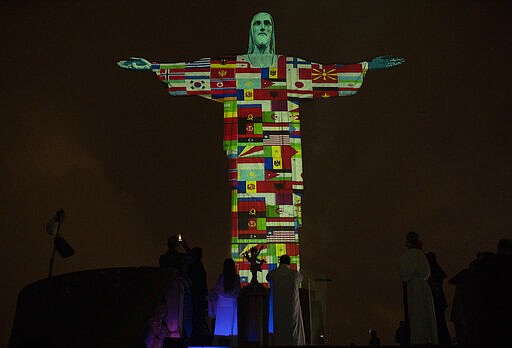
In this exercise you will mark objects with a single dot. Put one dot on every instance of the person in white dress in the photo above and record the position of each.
(223, 305)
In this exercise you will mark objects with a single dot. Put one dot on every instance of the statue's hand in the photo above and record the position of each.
(385, 62)
(135, 63)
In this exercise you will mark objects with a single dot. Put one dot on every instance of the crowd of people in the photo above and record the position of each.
(189, 311)
(481, 306)
(480, 309)
(483, 298)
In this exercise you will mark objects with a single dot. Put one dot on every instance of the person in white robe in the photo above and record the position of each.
(286, 313)
(414, 272)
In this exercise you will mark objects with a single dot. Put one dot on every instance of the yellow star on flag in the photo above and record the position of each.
(324, 75)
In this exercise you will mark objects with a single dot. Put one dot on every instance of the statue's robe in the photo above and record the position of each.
(262, 140)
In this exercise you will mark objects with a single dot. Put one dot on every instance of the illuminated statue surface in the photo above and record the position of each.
(261, 92)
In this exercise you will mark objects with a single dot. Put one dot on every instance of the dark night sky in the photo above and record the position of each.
(426, 146)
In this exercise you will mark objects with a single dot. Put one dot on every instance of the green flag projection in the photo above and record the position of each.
(261, 93)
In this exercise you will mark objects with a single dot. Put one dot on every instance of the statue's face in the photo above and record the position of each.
(261, 26)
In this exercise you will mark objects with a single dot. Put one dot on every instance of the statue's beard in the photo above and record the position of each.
(261, 40)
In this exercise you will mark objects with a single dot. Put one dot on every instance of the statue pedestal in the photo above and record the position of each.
(253, 316)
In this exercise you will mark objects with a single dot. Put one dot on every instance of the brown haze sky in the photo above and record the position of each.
(426, 146)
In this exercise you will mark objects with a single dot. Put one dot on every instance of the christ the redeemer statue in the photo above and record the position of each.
(261, 93)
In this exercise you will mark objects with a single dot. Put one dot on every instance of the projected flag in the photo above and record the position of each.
(262, 140)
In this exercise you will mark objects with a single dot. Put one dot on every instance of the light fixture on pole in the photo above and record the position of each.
(60, 245)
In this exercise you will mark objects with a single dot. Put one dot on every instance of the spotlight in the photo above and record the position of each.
(63, 247)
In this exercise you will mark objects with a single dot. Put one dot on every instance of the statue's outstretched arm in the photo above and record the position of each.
(135, 63)
(385, 62)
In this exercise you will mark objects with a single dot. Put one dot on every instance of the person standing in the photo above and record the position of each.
(167, 320)
(502, 305)
(436, 279)
(199, 298)
(223, 305)
(285, 303)
(177, 293)
(414, 272)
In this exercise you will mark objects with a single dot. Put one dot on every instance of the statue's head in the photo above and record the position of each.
(261, 33)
